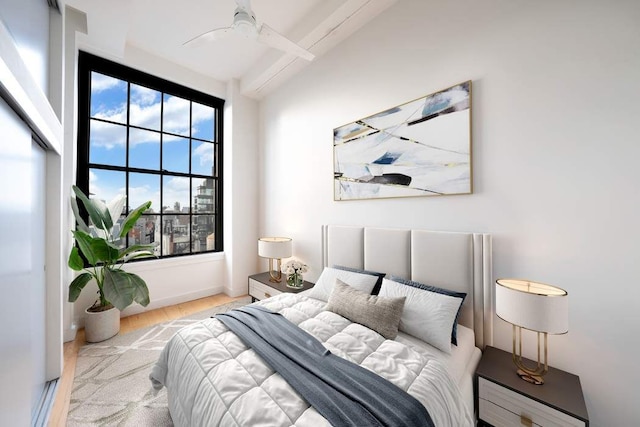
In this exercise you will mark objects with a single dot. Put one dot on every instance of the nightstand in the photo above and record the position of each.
(260, 287)
(503, 399)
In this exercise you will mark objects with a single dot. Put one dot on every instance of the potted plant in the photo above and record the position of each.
(96, 247)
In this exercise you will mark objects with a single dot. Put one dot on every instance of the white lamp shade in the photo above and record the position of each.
(531, 305)
(275, 247)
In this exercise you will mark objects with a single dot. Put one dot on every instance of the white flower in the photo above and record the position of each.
(294, 266)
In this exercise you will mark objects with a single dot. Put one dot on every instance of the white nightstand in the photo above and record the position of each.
(503, 399)
(261, 288)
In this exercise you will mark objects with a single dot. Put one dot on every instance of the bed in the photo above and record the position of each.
(213, 378)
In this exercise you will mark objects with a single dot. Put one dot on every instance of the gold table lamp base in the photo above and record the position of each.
(533, 376)
(530, 378)
(275, 276)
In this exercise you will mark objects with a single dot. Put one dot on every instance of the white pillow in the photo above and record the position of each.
(324, 285)
(427, 315)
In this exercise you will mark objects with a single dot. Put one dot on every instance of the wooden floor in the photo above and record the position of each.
(58, 416)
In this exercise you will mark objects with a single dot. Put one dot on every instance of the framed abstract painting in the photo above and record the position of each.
(420, 148)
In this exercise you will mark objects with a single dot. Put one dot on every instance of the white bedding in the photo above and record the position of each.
(214, 379)
(457, 361)
(461, 363)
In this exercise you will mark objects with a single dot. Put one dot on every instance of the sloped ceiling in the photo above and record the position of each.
(160, 28)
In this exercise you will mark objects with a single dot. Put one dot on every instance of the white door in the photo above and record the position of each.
(22, 282)
(37, 283)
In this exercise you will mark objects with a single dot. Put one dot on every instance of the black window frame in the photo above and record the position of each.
(88, 63)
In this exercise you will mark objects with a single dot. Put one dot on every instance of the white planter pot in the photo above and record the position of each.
(102, 325)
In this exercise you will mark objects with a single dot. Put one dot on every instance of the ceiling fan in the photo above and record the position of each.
(244, 24)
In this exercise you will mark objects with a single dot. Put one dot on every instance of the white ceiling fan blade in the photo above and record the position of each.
(209, 36)
(271, 37)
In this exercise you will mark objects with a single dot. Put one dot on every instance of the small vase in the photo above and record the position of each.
(295, 280)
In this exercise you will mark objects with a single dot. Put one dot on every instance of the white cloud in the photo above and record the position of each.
(201, 112)
(144, 95)
(176, 189)
(204, 153)
(103, 190)
(147, 116)
(107, 135)
(141, 194)
(100, 83)
(176, 115)
(137, 136)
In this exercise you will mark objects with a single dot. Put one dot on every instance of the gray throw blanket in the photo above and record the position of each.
(344, 393)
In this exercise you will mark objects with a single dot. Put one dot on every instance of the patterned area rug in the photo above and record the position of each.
(111, 384)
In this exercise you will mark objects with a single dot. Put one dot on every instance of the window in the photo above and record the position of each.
(152, 139)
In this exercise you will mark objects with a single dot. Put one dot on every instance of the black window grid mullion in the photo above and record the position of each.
(90, 63)
(126, 175)
(84, 106)
(111, 122)
(161, 173)
(191, 200)
(219, 218)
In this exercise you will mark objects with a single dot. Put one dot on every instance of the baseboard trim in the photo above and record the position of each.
(163, 302)
(173, 300)
(70, 332)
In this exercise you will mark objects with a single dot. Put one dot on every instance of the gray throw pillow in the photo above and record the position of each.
(381, 314)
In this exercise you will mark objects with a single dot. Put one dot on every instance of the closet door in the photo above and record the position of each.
(38, 304)
(22, 283)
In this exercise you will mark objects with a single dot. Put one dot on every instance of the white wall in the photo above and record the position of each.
(555, 153)
(28, 22)
(240, 189)
(170, 281)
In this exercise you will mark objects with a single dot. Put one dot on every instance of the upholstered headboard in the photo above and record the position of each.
(459, 262)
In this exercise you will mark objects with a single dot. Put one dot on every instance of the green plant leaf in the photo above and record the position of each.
(85, 244)
(94, 213)
(141, 295)
(144, 250)
(137, 254)
(77, 285)
(133, 216)
(103, 210)
(76, 213)
(75, 260)
(118, 288)
(105, 251)
(115, 210)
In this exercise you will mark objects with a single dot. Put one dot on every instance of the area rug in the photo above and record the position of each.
(111, 385)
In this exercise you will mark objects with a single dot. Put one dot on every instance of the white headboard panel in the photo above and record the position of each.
(388, 251)
(345, 247)
(459, 262)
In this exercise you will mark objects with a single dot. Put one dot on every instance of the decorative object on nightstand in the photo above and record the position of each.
(294, 269)
(503, 400)
(275, 248)
(261, 287)
(535, 306)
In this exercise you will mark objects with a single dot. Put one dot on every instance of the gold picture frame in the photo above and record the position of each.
(419, 148)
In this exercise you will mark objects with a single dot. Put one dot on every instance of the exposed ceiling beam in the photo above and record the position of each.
(322, 29)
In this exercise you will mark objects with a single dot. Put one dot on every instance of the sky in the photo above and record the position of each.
(108, 142)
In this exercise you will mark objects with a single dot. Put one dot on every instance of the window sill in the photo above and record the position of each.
(173, 262)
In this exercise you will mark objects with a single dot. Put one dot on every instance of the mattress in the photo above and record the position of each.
(212, 378)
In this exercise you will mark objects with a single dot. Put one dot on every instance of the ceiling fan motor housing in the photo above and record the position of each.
(244, 22)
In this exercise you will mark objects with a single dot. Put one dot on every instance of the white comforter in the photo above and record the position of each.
(212, 378)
